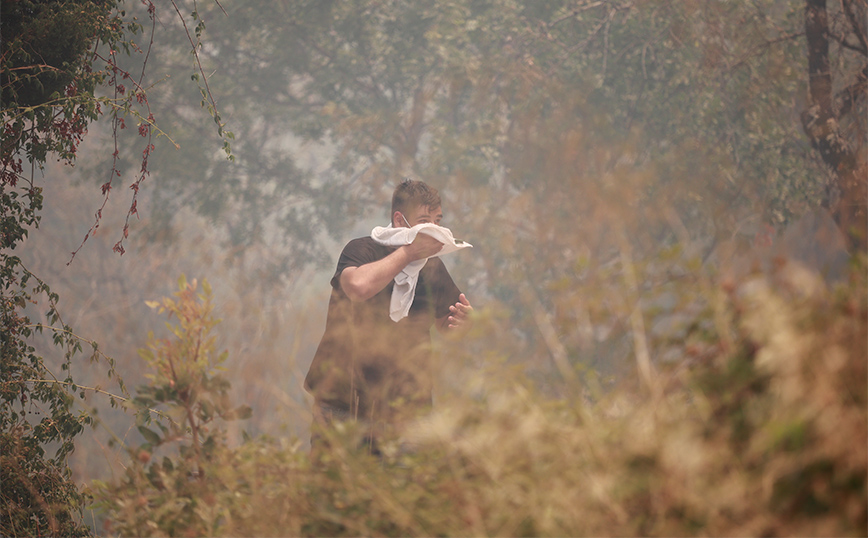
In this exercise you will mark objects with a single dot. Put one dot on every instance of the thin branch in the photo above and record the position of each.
(764, 45)
(69, 333)
(198, 63)
(221, 7)
(574, 13)
(578, 46)
(65, 330)
(637, 322)
(842, 40)
(98, 390)
(857, 29)
(122, 104)
(847, 97)
(606, 42)
(152, 15)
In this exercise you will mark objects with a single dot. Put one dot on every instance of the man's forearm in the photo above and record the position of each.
(363, 282)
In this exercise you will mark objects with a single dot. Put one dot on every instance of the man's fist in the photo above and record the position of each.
(424, 246)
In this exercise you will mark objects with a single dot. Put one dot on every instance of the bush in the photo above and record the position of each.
(766, 437)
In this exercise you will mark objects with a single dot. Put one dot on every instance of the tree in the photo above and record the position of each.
(56, 57)
(584, 129)
(47, 104)
(645, 119)
(834, 120)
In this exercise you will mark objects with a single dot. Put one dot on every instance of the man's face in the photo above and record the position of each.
(420, 215)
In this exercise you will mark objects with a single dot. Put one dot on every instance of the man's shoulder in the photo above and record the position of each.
(364, 250)
(361, 244)
(366, 240)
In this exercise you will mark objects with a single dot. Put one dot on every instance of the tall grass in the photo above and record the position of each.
(765, 435)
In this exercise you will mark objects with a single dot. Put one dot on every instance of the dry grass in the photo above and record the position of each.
(766, 436)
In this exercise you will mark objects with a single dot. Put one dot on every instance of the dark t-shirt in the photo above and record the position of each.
(368, 364)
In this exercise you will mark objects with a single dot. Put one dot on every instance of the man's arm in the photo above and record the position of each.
(363, 282)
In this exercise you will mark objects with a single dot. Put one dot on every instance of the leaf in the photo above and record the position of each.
(150, 435)
(243, 412)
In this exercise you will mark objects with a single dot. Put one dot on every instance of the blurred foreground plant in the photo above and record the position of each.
(38, 421)
(766, 437)
(186, 377)
(59, 73)
(185, 381)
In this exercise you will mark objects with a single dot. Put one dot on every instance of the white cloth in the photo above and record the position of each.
(405, 282)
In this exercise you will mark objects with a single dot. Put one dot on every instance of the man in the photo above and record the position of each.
(368, 367)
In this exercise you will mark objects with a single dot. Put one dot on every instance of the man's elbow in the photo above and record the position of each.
(356, 294)
(356, 289)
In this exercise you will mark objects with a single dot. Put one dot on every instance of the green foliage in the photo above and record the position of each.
(591, 129)
(60, 71)
(595, 153)
(55, 59)
(767, 436)
(44, 44)
(48, 85)
(38, 496)
(49, 78)
(625, 109)
(192, 394)
(186, 379)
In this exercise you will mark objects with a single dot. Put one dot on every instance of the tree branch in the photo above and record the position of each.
(842, 40)
(819, 73)
(858, 30)
(848, 96)
(822, 125)
(98, 390)
(574, 13)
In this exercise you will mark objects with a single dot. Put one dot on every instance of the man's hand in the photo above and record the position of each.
(363, 282)
(459, 317)
(424, 246)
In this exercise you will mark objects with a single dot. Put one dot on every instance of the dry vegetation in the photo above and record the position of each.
(637, 366)
(764, 435)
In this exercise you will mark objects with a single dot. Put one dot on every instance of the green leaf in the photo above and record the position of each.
(243, 412)
(150, 435)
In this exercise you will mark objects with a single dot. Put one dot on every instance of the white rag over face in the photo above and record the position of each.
(405, 282)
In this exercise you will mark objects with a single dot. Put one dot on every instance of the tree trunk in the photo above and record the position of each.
(408, 138)
(821, 122)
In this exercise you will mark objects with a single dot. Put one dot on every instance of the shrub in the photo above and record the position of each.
(766, 437)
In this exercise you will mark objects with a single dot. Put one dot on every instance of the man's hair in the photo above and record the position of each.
(412, 193)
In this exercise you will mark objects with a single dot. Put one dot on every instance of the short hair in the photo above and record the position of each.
(412, 193)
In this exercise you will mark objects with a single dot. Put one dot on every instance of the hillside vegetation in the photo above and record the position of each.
(764, 435)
